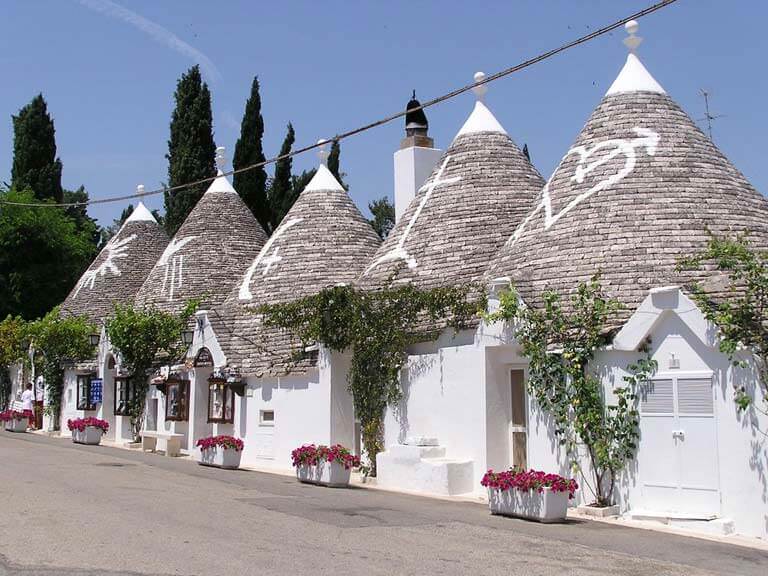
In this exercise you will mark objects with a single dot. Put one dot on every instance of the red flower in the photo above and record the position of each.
(226, 442)
(311, 455)
(80, 424)
(9, 415)
(528, 480)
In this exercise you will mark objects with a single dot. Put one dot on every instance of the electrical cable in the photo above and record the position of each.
(366, 127)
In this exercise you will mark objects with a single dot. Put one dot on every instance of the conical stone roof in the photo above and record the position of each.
(636, 192)
(478, 193)
(120, 269)
(209, 252)
(321, 242)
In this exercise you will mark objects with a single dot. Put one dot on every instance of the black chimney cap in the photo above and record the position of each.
(416, 118)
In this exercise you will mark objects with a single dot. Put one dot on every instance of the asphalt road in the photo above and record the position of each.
(72, 510)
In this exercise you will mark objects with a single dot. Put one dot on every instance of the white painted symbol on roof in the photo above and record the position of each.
(647, 139)
(399, 252)
(262, 258)
(174, 266)
(114, 249)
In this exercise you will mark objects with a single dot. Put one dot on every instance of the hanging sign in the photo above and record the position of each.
(204, 359)
(97, 385)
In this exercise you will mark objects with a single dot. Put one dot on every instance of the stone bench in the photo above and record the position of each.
(169, 442)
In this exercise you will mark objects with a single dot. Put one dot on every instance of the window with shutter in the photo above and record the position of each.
(658, 398)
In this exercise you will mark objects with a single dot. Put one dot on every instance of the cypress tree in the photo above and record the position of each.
(191, 149)
(383, 216)
(35, 166)
(252, 184)
(282, 194)
(333, 163)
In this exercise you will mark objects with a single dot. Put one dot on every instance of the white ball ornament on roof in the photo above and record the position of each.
(632, 41)
(221, 158)
(481, 90)
(322, 153)
(140, 189)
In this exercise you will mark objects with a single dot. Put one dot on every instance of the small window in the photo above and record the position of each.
(221, 402)
(176, 400)
(84, 392)
(267, 418)
(124, 394)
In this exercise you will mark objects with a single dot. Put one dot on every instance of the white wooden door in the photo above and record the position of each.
(677, 459)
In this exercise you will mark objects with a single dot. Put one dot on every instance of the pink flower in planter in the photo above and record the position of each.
(311, 455)
(226, 442)
(9, 415)
(80, 424)
(525, 480)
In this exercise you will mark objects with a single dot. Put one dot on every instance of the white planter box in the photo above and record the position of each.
(91, 435)
(220, 457)
(546, 506)
(330, 474)
(17, 425)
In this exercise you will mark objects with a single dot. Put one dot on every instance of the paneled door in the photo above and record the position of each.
(677, 458)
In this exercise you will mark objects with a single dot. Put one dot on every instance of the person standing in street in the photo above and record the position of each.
(28, 404)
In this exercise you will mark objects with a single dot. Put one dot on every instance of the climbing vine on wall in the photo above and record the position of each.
(56, 340)
(138, 335)
(377, 327)
(741, 311)
(560, 341)
(13, 337)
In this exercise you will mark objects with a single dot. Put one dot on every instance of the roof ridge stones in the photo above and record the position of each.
(208, 253)
(322, 241)
(118, 271)
(640, 188)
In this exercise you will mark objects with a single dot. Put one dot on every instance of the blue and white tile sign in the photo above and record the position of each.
(97, 385)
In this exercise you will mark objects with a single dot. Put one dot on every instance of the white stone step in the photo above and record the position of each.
(423, 469)
(708, 524)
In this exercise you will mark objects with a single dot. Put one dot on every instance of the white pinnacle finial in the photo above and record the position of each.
(632, 41)
(322, 153)
(221, 159)
(481, 90)
(140, 189)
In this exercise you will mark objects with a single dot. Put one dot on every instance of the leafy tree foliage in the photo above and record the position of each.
(383, 216)
(79, 215)
(333, 163)
(139, 335)
(42, 255)
(35, 166)
(13, 332)
(252, 184)
(191, 149)
(741, 312)
(377, 327)
(282, 192)
(58, 339)
(560, 342)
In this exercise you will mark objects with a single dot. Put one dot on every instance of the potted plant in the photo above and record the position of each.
(529, 494)
(87, 430)
(220, 451)
(324, 465)
(15, 420)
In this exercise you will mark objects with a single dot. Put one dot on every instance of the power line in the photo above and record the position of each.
(377, 123)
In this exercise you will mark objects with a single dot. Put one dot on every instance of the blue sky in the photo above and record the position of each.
(331, 66)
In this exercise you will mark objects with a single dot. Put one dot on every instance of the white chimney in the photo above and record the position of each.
(415, 159)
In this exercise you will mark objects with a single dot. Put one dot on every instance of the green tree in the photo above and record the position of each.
(282, 193)
(79, 215)
(57, 339)
(191, 149)
(13, 332)
(252, 184)
(560, 343)
(333, 163)
(42, 255)
(383, 216)
(35, 166)
(140, 335)
(742, 316)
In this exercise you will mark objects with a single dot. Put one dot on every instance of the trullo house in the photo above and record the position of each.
(256, 390)
(209, 252)
(479, 191)
(95, 388)
(638, 190)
